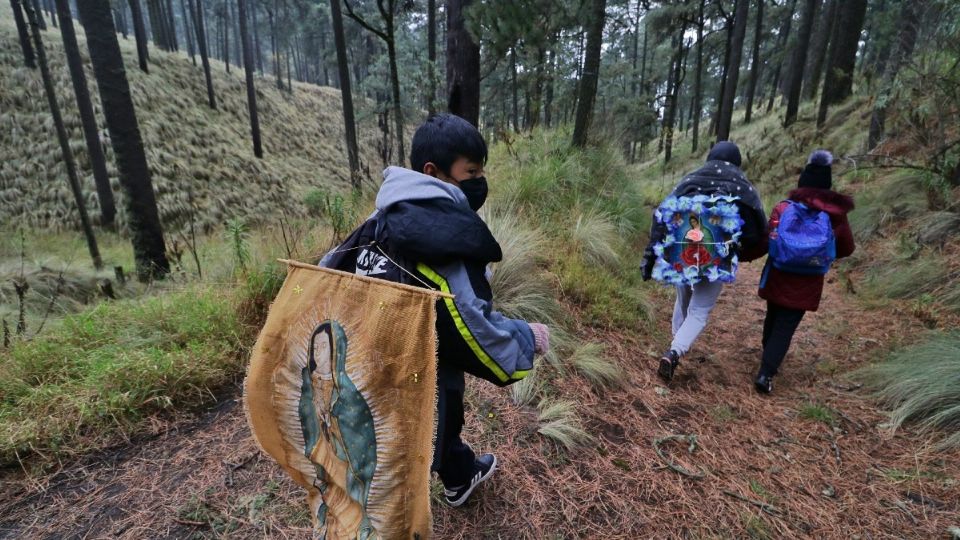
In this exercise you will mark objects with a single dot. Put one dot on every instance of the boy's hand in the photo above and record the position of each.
(541, 337)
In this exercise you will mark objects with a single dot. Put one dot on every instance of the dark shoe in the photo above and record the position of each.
(764, 384)
(483, 467)
(668, 364)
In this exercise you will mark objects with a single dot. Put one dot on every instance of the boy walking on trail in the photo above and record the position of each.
(426, 232)
(720, 175)
(789, 293)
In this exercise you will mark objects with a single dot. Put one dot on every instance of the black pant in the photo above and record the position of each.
(778, 329)
(452, 458)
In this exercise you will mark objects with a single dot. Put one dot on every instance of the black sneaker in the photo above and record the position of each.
(668, 364)
(764, 384)
(483, 467)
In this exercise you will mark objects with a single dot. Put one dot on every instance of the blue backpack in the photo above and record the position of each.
(804, 241)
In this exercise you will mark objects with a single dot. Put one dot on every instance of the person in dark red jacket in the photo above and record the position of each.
(789, 296)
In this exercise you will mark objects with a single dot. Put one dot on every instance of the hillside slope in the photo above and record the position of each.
(191, 149)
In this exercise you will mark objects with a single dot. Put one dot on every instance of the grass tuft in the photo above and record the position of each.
(921, 384)
(559, 422)
(589, 360)
(818, 412)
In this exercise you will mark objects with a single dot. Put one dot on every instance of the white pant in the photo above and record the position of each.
(691, 311)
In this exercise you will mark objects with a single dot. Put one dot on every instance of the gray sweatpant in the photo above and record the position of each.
(691, 311)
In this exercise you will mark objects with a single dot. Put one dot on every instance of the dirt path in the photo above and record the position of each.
(771, 469)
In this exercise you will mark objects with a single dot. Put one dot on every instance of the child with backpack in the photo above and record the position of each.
(719, 181)
(808, 231)
(426, 233)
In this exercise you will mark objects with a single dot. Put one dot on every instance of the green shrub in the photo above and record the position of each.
(921, 384)
(101, 371)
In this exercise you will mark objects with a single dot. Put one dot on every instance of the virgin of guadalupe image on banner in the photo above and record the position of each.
(702, 232)
(341, 392)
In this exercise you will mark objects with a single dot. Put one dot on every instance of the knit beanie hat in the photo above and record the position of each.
(725, 151)
(817, 173)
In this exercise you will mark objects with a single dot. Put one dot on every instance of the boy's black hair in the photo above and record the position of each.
(443, 138)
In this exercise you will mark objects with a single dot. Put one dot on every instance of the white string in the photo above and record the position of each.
(377, 247)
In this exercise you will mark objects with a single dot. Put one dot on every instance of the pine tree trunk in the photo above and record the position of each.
(799, 60)
(514, 92)
(118, 20)
(140, 35)
(36, 10)
(733, 70)
(88, 119)
(395, 84)
(727, 51)
(171, 26)
(200, 29)
(670, 116)
(463, 65)
(256, 37)
(909, 21)
(343, 67)
(144, 219)
(755, 62)
(248, 69)
(157, 28)
(781, 46)
(235, 26)
(842, 56)
(818, 50)
(29, 58)
(62, 137)
(431, 57)
(275, 45)
(48, 7)
(697, 107)
(225, 22)
(591, 73)
(191, 50)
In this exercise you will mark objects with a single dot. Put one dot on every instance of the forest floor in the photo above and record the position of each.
(811, 460)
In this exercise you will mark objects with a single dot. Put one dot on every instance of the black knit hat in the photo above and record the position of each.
(817, 173)
(725, 151)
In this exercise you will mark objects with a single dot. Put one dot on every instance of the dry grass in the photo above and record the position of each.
(201, 160)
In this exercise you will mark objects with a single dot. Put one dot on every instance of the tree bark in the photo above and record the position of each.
(39, 14)
(842, 57)
(343, 67)
(118, 19)
(395, 83)
(144, 219)
(87, 117)
(697, 106)
(191, 50)
(172, 26)
(140, 35)
(29, 58)
(225, 21)
(818, 50)
(591, 73)
(431, 57)
(781, 46)
(514, 91)
(256, 37)
(669, 118)
(909, 28)
(733, 70)
(799, 60)
(204, 53)
(728, 49)
(463, 65)
(248, 69)
(62, 137)
(755, 62)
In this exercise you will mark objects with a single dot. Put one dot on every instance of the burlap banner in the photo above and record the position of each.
(341, 392)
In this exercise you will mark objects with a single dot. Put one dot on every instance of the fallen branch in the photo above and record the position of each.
(191, 523)
(692, 439)
(836, 451)
(768, 508)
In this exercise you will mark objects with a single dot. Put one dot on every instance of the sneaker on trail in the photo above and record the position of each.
(483, 467)
(764, 384)
(668, 364)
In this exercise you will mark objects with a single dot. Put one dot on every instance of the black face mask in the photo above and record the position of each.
(476, 191)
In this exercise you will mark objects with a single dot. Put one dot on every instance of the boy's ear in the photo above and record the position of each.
(431, 169)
